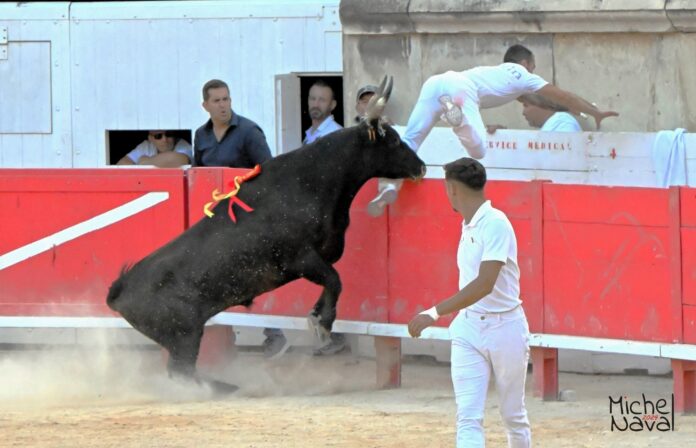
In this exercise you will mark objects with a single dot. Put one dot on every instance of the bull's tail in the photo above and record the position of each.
(116, 289)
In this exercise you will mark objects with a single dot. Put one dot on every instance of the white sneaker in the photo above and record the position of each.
(451, 113)
(387, 196)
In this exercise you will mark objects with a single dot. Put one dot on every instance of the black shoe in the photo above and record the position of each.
(275, 346)
(337, 345)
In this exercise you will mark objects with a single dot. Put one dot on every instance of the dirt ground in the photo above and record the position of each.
(115, 398)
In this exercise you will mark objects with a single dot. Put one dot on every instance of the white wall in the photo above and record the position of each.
(141, 65)
(594, 158)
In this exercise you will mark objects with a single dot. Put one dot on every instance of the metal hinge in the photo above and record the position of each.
(3, 42)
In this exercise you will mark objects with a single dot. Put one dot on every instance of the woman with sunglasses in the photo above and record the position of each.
(162, 149)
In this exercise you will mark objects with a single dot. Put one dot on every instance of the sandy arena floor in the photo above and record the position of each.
(92, 398)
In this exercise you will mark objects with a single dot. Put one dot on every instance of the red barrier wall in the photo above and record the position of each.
(424, 234)
(687, 200)
(595, 261)
(71, 278)
(607, 262)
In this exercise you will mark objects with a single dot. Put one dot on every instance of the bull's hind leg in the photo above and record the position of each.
(183, 352)
(322, 316)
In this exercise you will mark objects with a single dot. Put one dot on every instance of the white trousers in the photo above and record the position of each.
(427, 111)
(485, 345)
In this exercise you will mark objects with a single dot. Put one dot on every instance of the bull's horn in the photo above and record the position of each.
(388, 89)
(377, 103)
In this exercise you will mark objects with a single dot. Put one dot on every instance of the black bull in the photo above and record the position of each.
(301, 204)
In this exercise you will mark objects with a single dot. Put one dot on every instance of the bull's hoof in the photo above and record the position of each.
(322, 336)
(219, 387)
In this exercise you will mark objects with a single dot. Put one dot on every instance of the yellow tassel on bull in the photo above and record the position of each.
(232, 195)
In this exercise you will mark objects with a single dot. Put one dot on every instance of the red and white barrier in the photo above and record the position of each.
(603, 268)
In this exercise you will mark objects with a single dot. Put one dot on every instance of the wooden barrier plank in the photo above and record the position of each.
(424, 234)
(64, 262)
(689, 318)
(631, 206)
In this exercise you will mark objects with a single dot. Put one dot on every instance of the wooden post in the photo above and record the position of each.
(217, 345)
(545, 372)
(388, 357)
(684, 377)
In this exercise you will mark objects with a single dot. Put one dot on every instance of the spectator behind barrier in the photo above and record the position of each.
(321, 101)
(162, 149)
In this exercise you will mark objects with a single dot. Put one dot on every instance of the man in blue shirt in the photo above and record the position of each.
(230, 140)
(321, 102)
(227, 139)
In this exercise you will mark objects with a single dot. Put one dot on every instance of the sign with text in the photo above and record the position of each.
(530, 150)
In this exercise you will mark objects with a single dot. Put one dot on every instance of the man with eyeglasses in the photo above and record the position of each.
(162, 149)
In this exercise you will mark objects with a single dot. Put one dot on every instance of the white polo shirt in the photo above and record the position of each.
(500, 84)
(561, 122)
(147, 148)
(490, 237)
(326, 127)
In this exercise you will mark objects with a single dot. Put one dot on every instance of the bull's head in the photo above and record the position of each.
(391, 157)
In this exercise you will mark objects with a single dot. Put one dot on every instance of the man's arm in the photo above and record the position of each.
(574, 103)
(256, 146)
(197, 153)
(170, 159)
(125, 160)
(477, 289)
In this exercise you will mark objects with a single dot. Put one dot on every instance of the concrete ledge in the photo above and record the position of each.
(517, 16)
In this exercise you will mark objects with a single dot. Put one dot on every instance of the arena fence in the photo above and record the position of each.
(603, 268)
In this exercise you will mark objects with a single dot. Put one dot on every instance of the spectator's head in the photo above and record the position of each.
(216, 100)
(365, 93)
(321, 101)
(537, 109)
(519, 54)
(164, 141)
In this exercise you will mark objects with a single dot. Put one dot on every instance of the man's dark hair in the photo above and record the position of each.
(213, 84)
(467, 171)
(322, 83)
(518, 53)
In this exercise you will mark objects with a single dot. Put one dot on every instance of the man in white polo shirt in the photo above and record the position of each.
(456, 97)
(547, 115)
(490, 335)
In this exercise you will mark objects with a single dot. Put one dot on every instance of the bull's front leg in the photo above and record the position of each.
(322, 316)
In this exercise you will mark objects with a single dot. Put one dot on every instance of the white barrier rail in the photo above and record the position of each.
(628, 347)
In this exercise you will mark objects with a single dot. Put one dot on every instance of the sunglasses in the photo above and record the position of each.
(159, 135)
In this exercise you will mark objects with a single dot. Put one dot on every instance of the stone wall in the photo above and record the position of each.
(637, 57)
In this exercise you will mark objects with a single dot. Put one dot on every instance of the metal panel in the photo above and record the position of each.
(25, 101)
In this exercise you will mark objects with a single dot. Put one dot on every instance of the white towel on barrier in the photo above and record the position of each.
(669, 158)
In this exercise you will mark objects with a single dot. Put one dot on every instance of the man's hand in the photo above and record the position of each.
(599, 116)
(419, 323)
(491, 128)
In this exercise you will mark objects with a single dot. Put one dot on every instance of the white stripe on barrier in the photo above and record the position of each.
(100, 221)
(657, 349)
(62, 322)
(596, 344)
